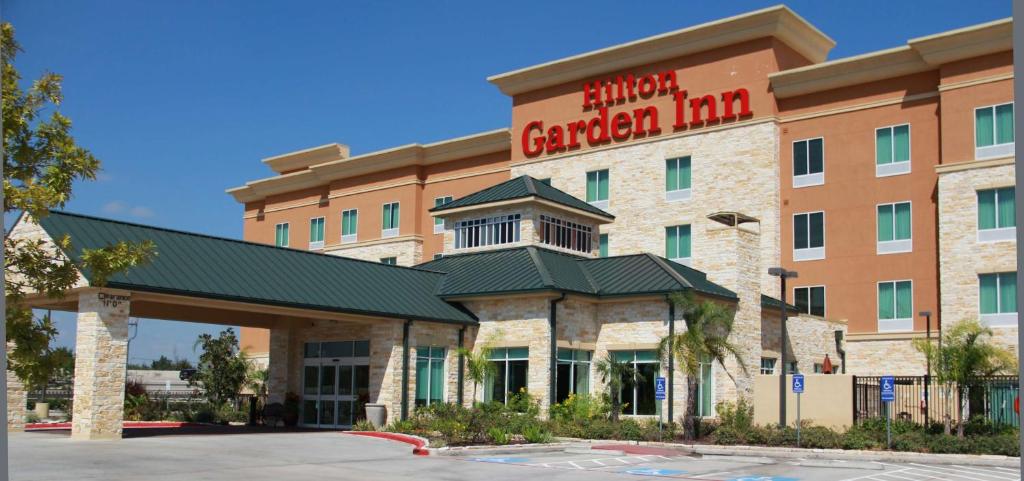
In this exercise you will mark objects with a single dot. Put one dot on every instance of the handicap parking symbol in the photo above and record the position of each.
(501, 460)
(654, 472)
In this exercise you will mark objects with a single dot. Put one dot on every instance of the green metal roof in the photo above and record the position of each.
(530, 268)
(518, 188)
(218, 268)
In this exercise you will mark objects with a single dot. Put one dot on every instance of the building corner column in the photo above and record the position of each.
(277, 364)
(101, 350)
(17, 398)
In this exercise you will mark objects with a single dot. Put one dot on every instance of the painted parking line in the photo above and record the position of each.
(925, 472)
(604, 462)
(501, 460)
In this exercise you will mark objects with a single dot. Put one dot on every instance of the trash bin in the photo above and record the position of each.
(377, 414)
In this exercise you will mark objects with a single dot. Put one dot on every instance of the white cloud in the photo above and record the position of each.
(117, 207)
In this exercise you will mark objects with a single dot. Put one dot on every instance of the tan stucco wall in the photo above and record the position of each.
(827, 400)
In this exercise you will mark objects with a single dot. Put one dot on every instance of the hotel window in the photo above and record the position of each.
(997, 215)
(503, 229)
(316, 233)
(810, 300)
(993, 131)
(894, 228)
(565, 234)
(510, 373)
(638, 397)
(677, 178)
(597, 188)
(438, 256)
(602, 250)
(281, 235)
(792, 367)
(895, 306)
(809, 236)
(430, 379)
(768, 365)
(391, 220)
(706, 389)
(998, 295)
(349, 226)
(892, 150)
(573, 373)
(808, 162)
(677, 244)
(389, 260)
(439, 221)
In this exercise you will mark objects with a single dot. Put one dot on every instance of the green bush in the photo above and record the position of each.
(363, 425)
(536, 434)
(738, 416)
(819, 437)
(498, 436)
(579, 408)
(860, 439)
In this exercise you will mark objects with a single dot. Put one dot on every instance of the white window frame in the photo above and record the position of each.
(547, 228)
(444, 373)
(808, 180)
(600, 204)
(287, 238)
(896, 324)
(999, 319)
(439, 226)
(686, 261)
(895, 168)
(392, 232)
(389, 263)
(677, 195)
(350, 238)
(485, 237)
(572, 369)
(775, 365)
(995, 234)
(824, 292)
(994, 150)
(898, 246)
(714, 392)
(810, 253)
(319, 244)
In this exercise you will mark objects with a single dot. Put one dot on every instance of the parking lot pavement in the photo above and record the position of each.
(729, 468)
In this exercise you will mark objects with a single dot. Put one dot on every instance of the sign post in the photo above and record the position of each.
(659, 395)
(887, 388)
(798, 388)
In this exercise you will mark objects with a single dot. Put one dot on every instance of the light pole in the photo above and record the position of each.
(928, 362)
(782, 274)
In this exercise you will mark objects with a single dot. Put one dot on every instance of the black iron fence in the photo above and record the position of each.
(923, 401)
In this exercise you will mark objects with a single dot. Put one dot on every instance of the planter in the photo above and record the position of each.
(377, 414)
(42, 410)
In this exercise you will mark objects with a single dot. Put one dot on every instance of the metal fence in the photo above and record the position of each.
(922, 401)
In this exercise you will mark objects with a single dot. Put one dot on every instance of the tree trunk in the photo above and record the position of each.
(616, 405)
(690, 420)
(960, 413)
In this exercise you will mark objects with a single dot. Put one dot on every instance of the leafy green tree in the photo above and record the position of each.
(42, 162)
(223, 369)
(966, 355)
(478, 366)
(616, 375)
(705, 339)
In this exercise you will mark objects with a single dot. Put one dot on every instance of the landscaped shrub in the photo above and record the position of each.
(579, 408)
(363, 425)
(498, 436)
(536, 434)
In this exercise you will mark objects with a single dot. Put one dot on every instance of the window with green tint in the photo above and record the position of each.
(809, 230)
(894, 222)
(809, 156)
(998, 293)
(810, 300)
(389, 260)
(572, 375)
(996, 208)
(993, 125)
(597, 185)
(892, 144)
(510, 374)
(677, 174)
(895, 300)
(768, 365)
(677, 242)
(281, 235)
(706, 389)
(316, 230)
(430, 379)
(349, 222)
(391, 216)
(438, 202)
(638, 397)
(602, 245)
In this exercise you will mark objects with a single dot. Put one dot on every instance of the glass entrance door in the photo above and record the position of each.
(335, 383)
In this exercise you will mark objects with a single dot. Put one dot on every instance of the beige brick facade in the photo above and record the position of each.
(17, 399)
(101, 350)
(884, 355)
(407, 250)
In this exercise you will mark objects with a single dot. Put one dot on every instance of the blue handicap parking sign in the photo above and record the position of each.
(654, 472)
(798, 383)
(659, 388)
(888, 388)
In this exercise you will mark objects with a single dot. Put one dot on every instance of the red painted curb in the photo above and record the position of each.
(129, 424)
(418, 444)
(634, 449)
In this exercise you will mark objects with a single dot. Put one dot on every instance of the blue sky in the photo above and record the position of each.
(181, 99)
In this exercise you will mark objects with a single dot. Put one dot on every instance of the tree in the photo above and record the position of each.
(223, 369)
(705, 340)
(966, 355)
(42, 162)
(616, 375)
(478, 366)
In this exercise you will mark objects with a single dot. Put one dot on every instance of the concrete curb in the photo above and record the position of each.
(420, 445)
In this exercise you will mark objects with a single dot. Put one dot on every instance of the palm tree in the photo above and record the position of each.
(616, 375)
(966, 355)
(478, 366)
(706, 339)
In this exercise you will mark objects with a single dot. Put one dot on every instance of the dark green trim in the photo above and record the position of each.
(462, 366)
(553, 341)
(671, 355)
(405, 369)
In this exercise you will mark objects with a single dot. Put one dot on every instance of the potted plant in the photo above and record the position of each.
(291, 409)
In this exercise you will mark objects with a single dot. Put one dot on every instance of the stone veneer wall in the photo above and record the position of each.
(101, 350)
(734, 169)
(810, 339)
(884, 356)
(17, 399)
(961, 256)
(408, 250)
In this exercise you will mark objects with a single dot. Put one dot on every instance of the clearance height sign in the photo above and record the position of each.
(601, 127)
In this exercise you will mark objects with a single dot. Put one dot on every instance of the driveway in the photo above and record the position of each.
(256, 456)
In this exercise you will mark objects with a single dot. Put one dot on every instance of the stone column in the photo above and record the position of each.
(278, 371)
(101, 349)
(17, 399)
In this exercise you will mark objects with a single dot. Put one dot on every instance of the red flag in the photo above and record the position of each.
(826, 366)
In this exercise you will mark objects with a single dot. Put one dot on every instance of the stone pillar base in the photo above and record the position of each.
(17, 399)
(101, 349)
